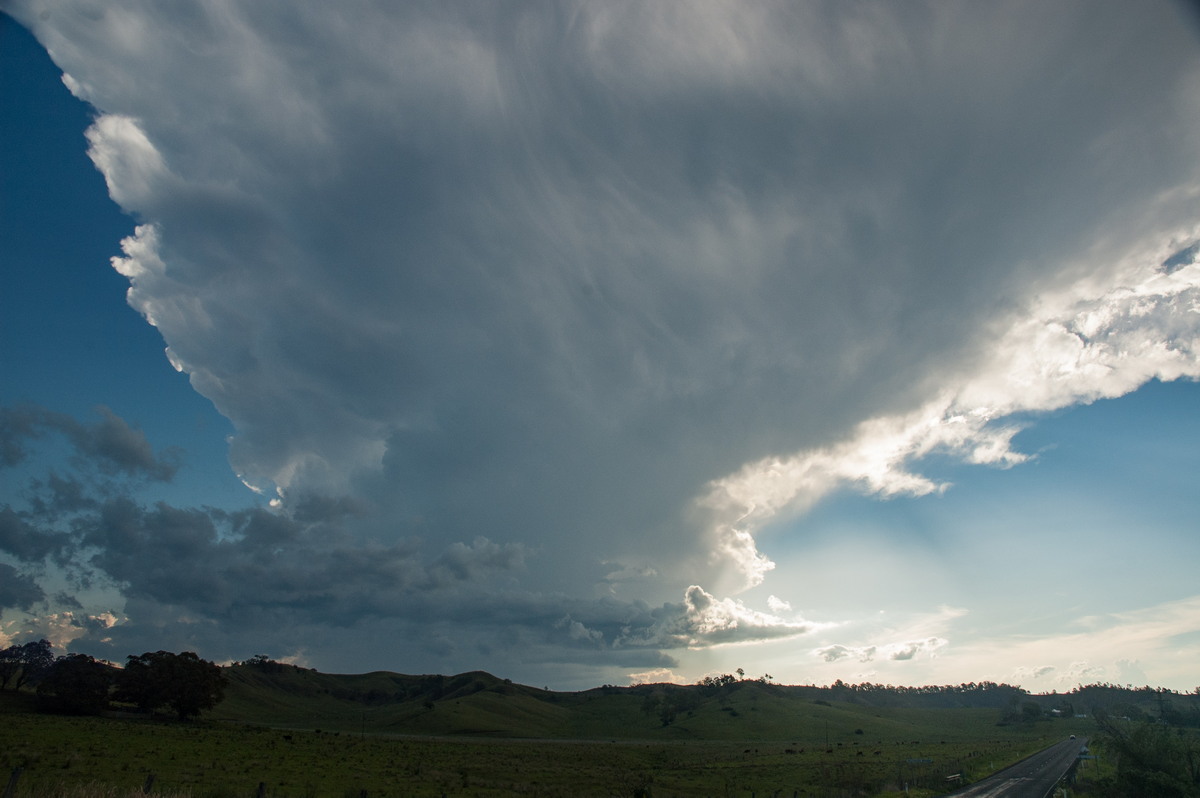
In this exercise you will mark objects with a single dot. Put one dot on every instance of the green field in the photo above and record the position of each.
(302, 733)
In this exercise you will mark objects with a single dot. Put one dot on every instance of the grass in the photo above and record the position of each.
(484, 737)
(98, 791)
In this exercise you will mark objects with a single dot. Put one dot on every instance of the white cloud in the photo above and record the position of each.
(1069, 347)
(704, 621)
(656, 676)
(712, 620)
(1130, 672)
(839, 652)
(880, 640)
(777, 605)
(1078, 673)
(909, 650)
(1031, 675)
(60, 628)
(132, 167)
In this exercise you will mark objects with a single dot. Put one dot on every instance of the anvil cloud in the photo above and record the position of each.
(530, 319)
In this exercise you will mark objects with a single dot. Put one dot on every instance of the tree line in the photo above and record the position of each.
(79, 684)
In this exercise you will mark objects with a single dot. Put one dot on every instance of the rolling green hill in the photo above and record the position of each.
(478, 704)
(297, 732)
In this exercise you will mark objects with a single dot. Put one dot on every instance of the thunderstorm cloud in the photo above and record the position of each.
(530, 317)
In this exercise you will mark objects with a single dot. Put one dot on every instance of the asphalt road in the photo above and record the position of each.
(1032, 777)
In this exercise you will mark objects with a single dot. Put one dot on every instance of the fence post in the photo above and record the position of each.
(11, 789)
(149, 785)
(262, 789)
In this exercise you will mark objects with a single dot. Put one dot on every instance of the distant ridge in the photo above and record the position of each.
(479, 704)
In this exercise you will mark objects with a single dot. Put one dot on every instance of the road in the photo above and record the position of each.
(1033, 777)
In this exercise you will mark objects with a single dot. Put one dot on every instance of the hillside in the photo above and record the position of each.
(301, 732)
(479, 704)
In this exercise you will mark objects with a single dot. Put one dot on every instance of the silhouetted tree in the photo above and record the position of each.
(184, 682)
(264, 663)
(76, 684)
(711, 682)
(26, 663)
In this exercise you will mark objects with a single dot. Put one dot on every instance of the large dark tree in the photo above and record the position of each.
(184, 682)
(25, 664)
(76, 684)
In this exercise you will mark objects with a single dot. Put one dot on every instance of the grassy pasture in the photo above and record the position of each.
(750, 742)
(481, 705)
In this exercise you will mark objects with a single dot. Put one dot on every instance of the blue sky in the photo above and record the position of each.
(587, 345)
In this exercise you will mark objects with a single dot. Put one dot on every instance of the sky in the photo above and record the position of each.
(596, 343)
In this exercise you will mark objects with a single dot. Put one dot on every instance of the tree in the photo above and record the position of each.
(725, 680)
(26, 663)
(10, 665)
(264, 663)
(184, 682)
(76, 684)
(1152, 758)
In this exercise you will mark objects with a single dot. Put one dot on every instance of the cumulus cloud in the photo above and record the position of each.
(588, 294)
(189, 572)
(1131, 672)
(899, 652)
(227, 566)
(109, 445)
(1080, 672)
(1024, 675)
(60, 628)
(909, 650)
(25, 541)
(17, 589)
(923, 636)
(776, 604)
(838, 652)
(710, 620)
(656, 676)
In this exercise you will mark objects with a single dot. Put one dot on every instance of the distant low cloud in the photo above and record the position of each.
(1080, 672)
(1024, 675)
(60, 628)
(839, 652)
(911, 649)
(656, 676)
(899, 652)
